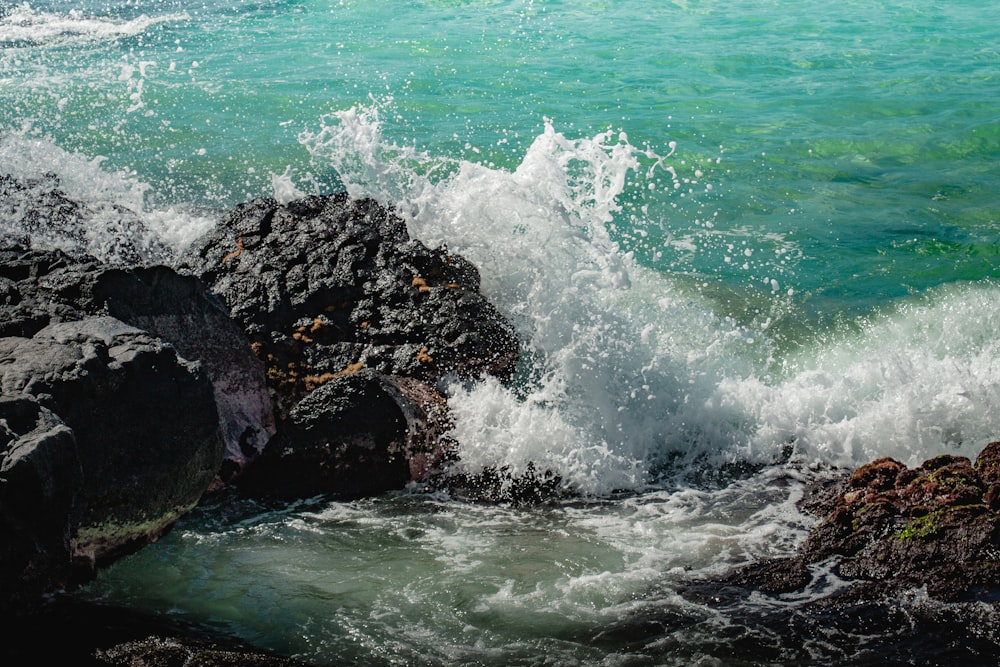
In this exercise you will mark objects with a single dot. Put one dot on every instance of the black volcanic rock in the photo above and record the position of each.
(40, 480)
(44, 286)
(329, 285)
(181, 311)
(293, 351)
(138, 380)
(144, 424)
(359, 434)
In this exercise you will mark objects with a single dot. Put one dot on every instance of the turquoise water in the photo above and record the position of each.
(748, 232)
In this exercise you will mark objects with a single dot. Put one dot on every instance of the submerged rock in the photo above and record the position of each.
(501, 485)
(99, 635)
(888, 529)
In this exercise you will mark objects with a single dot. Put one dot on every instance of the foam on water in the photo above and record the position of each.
(917, 382)
(457, 583)
(628, 368)
(24, 25)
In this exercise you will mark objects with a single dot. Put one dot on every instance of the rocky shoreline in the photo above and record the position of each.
(297, 350)
(294, 350)
(888, 529)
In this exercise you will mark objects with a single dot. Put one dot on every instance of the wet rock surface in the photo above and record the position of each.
(293, 351)
(41, 479)
(145, 434)
(359, 434)
(326, 286)
(888, 529)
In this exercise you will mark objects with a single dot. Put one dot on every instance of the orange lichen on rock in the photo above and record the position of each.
(420, 284)
(318, 323)
(350, 368)
(423, 357)
(313, 381)
(236, 253)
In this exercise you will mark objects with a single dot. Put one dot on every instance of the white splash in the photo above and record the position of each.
(284, 187)
(921, 381)
(614, 350)
(107, 198)
(626, 368)
(24, 25)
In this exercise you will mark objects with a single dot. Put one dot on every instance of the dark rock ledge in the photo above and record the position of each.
(889, 529)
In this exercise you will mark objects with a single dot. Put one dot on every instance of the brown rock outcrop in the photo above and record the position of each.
(891, 528)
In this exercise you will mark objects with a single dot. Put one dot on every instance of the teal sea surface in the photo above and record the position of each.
(744, 243)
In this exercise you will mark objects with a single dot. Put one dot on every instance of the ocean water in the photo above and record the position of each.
(744, 244)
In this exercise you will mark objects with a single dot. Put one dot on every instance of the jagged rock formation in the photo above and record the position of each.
(890, 528)
(328, 288)
(325, 286)
(293, 351)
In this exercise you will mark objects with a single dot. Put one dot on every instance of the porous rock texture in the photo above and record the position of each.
(355, 322)
(325, 286)
(889, 528)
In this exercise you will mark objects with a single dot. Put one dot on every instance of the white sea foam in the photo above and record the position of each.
(627, 367)
(23, 24)
(918, 382)
(106, 197)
